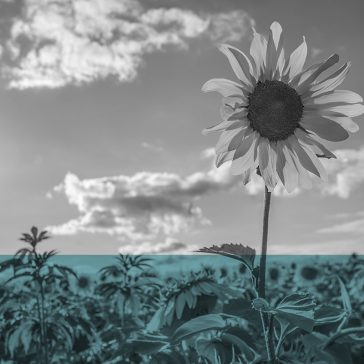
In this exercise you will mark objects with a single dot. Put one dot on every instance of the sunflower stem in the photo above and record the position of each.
(267, 322)
(263, 255)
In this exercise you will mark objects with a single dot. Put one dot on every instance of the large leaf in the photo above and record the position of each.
(297, 309)
(198, 325)
(244, 254)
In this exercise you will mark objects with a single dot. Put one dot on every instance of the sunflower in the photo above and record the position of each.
(276, 115)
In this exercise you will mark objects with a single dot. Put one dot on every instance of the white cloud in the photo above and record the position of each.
(54, 43)
(352, 223)
(145, 207)
(346, 173)
(148, 207)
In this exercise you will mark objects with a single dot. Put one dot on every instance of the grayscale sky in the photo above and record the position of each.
(101, 120)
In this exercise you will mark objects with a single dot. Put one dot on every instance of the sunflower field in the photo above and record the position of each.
(135, 311)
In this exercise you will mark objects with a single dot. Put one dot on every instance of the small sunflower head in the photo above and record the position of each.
(309, 273)
(274, 274)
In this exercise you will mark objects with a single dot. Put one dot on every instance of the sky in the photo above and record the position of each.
(101, 120)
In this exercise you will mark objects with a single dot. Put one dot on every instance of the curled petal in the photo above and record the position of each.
(331, 82)
(337, 96)
(350, 110)
(258, 50)
(240, 64)
(224, 157)
(224, 125)
(225, 87)
(323, 66)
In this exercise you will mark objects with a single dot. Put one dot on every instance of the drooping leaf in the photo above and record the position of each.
(244, 254)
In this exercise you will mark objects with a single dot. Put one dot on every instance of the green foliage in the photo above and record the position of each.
(131, 314)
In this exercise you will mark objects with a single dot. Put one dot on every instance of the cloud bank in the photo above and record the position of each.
(57, 43)
(141, 208)
(148, 207)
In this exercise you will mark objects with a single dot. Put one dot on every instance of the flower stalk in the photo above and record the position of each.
(267, 322)
(263, 255)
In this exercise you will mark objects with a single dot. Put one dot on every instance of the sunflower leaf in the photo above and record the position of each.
(297, 309)
(244, 254)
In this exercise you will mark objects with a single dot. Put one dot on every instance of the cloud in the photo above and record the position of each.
(56, 43)
(145, 207)
(148, 207)
(354, 224)
(346, 173)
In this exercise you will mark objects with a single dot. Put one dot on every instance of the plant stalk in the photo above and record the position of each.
(263, 255)
(267, 322)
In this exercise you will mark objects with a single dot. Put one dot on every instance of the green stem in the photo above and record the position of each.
(44, 324)
(41, 329)
(263, 255)
(267, 322)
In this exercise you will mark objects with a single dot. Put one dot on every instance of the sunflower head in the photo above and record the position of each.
(275, 116)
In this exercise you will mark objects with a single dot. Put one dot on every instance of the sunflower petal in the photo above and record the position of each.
(230, 105)
(243, 148)
(331, 82)
(225, 138)
(246, 160)
(258, 50)
(246, 176)
(323, 66)
(345, 122)
(289, 170)
(318, 148)
(303, 157)
(224, 157)
(269, 172)
(342, 96)
(225, 87)
(325, 129)
(240, 64)
(281, 161)
(263, 153)
(303, 177)
(297, 59)
(224, 125)
(350, 110)
(315, 160)
(274, 49)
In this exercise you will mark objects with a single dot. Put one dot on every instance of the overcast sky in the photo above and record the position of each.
(101, 119)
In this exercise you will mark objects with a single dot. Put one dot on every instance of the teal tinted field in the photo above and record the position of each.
(180, 309)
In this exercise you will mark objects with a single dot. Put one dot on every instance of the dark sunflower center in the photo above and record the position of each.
(274, 110)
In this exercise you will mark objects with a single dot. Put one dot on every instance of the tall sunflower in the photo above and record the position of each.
(275, 115)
